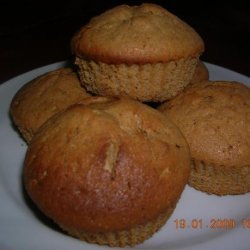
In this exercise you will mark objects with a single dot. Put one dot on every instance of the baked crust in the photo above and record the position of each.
(43, 97)
(136, 35)
(106, 167)
(215, 119)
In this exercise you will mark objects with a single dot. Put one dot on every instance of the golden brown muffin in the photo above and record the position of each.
(201, 73)
(108, 173)
(43, 97)
(143, 52)
(215, 119)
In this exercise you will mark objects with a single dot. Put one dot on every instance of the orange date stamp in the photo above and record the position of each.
(213, 223)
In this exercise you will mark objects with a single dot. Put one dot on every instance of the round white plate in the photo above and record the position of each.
(200, 221)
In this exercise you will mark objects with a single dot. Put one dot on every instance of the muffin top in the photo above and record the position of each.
(106, 166)
(215, 119)
(43, 97)
(136, 34)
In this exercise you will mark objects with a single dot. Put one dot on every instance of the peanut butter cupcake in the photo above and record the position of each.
(143, 52)
(43, 97)
(215, 119)
(114, 170)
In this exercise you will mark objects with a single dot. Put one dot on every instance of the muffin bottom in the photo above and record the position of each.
(219, 180)
(155, 82)
(123, 238)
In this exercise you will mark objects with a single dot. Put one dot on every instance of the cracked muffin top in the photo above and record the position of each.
(137, 34)
(93, 166)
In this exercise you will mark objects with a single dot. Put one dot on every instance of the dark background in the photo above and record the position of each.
(37, 33)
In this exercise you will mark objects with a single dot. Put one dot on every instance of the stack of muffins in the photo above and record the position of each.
(103, 164)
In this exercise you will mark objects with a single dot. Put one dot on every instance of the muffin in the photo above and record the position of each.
(200, 74)
(143, 52)
(215, 119)
(108, 172)
(43, 97)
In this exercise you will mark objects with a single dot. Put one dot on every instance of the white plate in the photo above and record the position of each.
(22, 228)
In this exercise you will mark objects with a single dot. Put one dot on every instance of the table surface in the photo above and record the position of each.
(37, 33)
